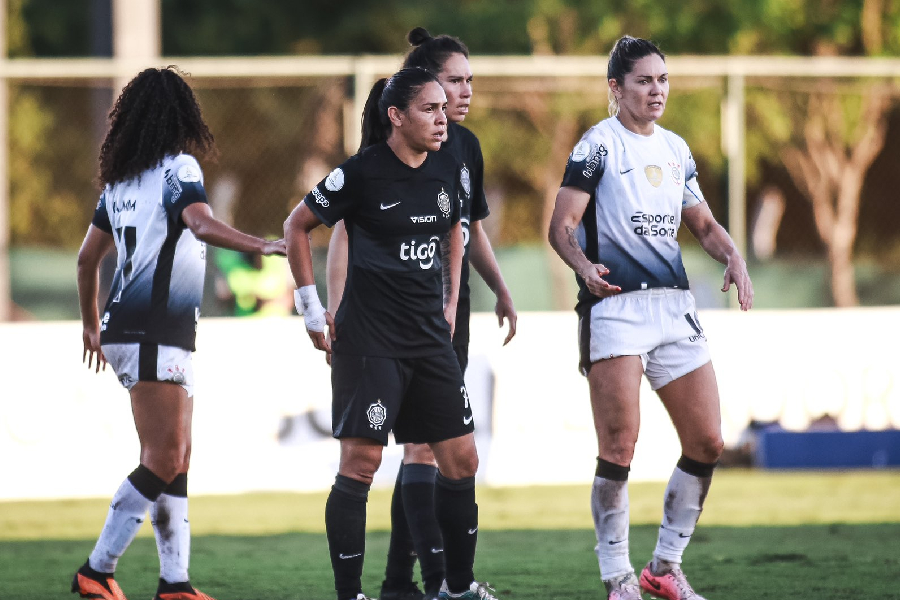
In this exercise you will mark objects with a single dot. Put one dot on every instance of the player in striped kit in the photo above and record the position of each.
(153, 209)
(628, 186)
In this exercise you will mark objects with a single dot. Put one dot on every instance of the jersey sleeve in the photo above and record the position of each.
(334, 197)
(101, 217)
(586, 164)
(477, 199)
(183, 186)
(692, 194)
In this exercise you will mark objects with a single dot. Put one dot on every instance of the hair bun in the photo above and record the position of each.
(418, 36)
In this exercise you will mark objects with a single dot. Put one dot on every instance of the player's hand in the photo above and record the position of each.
(332, 335)
(504, 309)
(450, 316)
(593, 279)
(91, 340)
(319, 339)
(736, 273)
(275, 247)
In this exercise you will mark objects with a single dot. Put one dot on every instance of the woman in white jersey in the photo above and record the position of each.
(628, 185)
(153, 210)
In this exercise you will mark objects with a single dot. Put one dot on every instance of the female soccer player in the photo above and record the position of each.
(414, 530)
(393, 365)
(627, 187)
(153, 209)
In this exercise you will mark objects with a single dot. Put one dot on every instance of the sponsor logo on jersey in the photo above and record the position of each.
(105, 322)
(377, 415)
(320, 197)
(443, 202)
(423, 253)
(654, 225)
(594, 161)
(124, 206)
(465, 180)
(424, 219)
(676, 172)
(654, 175)
(189, 174)
(335, 180)
(174, 186)
(465, 229)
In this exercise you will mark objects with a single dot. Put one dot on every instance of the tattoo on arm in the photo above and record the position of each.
(445, 266)
(573, 239)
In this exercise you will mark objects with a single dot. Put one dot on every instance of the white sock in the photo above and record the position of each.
(684, 502)
(124, 519)
(169, 516)
(609, 506)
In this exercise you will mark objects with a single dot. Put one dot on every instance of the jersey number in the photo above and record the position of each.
(128, 236)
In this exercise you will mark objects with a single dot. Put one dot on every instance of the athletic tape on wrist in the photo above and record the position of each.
(306, 300)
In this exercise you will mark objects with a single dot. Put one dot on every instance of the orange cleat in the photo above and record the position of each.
(179, 591)
(89, 583)
(672, 585)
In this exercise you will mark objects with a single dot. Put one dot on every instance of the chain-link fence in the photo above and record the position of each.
(806, 139)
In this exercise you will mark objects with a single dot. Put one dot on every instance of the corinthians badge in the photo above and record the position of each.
(377, 415)
(654, 175)
(443, 201)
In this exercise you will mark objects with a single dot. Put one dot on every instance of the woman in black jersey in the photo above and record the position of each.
(413, 526)
(153, 209)
(393, 365)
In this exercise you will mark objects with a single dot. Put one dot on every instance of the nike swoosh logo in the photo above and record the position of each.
(346, 556)
(653, 584)
(681, 535)
(626, 171)
(612, 543)
(467, 420)
(437, 550)
(471, 531)
(385, 207)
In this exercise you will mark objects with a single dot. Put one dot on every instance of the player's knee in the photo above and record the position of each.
(418, 454)
(710, 448)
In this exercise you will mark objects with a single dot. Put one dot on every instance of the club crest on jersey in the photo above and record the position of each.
(335, 180)
(377, 414)
(443, 201)
(465, 180)
(676, 172)
(654, 175)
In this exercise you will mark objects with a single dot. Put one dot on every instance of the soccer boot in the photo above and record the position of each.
(623, 588)
(671, 585)
(179, 591)
(89, 583)
(476, 591)
(409, 591)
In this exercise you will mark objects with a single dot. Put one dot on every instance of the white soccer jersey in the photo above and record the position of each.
(638, 186)
(158, 285)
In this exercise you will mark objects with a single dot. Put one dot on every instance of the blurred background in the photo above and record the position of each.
(790, 108)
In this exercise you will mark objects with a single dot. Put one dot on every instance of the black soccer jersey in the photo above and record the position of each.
(395, 217)
(158, 285)
(465, 148)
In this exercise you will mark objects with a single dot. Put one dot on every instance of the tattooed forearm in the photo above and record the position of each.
(445, 266)
(573, 239)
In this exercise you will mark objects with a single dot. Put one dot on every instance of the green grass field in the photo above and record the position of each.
(762, 535)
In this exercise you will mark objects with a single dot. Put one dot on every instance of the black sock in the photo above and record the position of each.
(457, 513)
(418, 499)
(345, 526)
(401, 554)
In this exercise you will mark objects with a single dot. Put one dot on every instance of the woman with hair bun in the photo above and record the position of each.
(414, 530)
(627, 187)
(392, 363)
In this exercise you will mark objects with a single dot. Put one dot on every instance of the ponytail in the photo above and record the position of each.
(374, 129)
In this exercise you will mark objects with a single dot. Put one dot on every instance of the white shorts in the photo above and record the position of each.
(660, 325)
(150, 362)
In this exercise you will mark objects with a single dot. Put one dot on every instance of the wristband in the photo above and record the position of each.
(306, 300)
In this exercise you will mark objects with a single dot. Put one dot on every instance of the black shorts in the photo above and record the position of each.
(422, 399)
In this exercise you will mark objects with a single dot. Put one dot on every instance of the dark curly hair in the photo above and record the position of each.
(155, 116)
